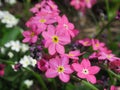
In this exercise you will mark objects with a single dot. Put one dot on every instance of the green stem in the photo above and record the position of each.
(7, 62)
(85, 83)
(114, 74)
(103, 28)
(38, 77)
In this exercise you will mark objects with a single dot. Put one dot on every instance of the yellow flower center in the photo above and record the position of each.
(85, 43)
(97, 45)
(87, 1)
(55, 39)
(85, 71)
(60, 69)
(42, 20)
(109, 56)
(71, 55)
(32, 34)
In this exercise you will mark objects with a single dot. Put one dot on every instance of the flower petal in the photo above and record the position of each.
(51, 73)
(51, 49)
(91, 78)
(93, 70)
(85, 63)
(68, 69)
(77, 67)
(60, 49)
(64, 77)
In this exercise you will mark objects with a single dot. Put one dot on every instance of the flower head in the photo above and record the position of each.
(2, 66)
(86, 71)
(54, 40)
(59, 67)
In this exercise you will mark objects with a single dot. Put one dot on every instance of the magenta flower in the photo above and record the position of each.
(42, 65)
(59, 67)
(31, 36)
(65, 26)
(55, 40)
(76, 4)
(97, 45)
(85, 42)
(86, 71)
(2, 66)
(113, 88)
(38, 6)
(73, 54)
(89, 3)
(107, 56)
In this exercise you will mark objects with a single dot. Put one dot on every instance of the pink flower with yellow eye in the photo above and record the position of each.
(55, 41)
(59, 67)
(85, 42)
(65, 26)
(31, 36)
(73, 54)
(107, 56)
(97, 45)
(86, 71)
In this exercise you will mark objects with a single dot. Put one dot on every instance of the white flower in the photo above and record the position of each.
(2, 50)
(15, 46)
(27, 60)
(8, 44)
(8, 19)
(24, 48)
(10, 54)
(10, 1)
(28, 83)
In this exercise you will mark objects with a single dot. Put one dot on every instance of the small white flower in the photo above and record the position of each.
(8, 44)
(24, 48)
(8, 19)
(10, 54)
(15, 46)
(2, 50)
(27, 60)
(28, 83)
(10, 1)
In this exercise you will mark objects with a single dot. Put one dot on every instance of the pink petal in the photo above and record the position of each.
(64, 77)
(81, 75)
(64, 61)
(54, 63)
(91, 78)
(46, 35)
(51, 49)
(26, 40)
(68, 69)
(85, 63)
(51, 73)
(93, 70)
(51, 30)
(60, 49)
(34, 39)
(77, 67)
(48, 42)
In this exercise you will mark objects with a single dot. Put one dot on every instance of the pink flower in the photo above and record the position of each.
(75, 3)
(2, 66)
(73, 54)
(113, 87)
(86, 71)
(31, 36)
(118, 15)
(85, 42)
(42, 65)
(65, 26)
(89, 3)
(55, 41)
(59, 67)
(107, 56)
(38, 6)
(97, 45)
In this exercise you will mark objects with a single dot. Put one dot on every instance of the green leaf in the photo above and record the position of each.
(11, 34)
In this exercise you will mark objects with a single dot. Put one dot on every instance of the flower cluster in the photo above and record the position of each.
(50, 37)
(8, 19)
(82, 5)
